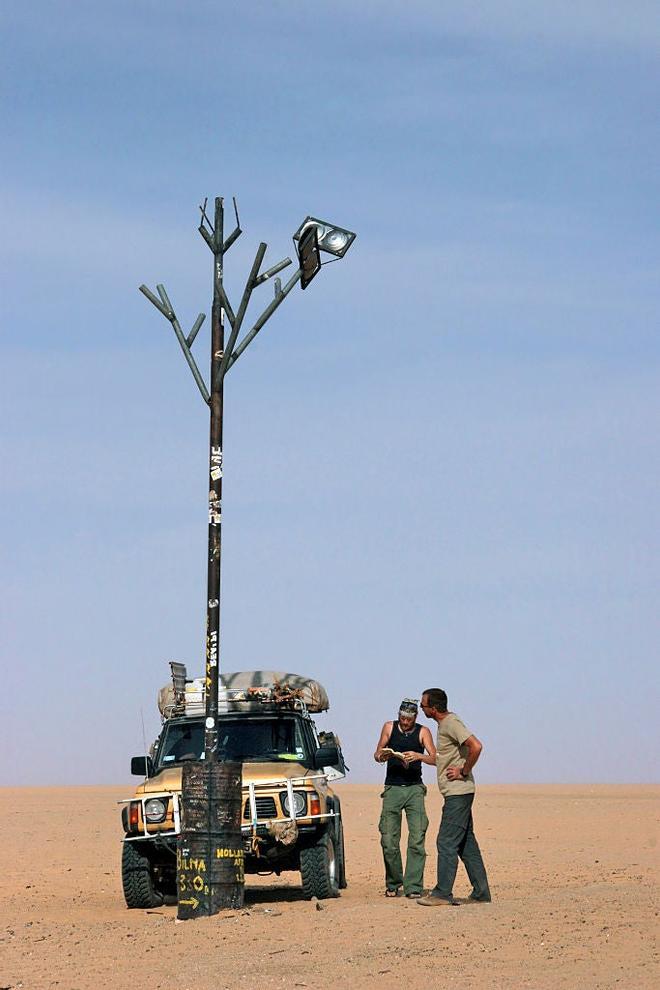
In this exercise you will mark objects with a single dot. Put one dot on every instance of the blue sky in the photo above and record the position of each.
(441, 461)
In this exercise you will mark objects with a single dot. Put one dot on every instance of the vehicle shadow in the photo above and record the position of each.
(272, 895)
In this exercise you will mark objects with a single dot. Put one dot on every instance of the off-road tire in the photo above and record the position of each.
(137, 880)
(318, 869)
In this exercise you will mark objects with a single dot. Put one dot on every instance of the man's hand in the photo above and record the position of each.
(385, 734)
(474, 748)
(411, 757)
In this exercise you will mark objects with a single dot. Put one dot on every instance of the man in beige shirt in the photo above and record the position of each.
(457, 750)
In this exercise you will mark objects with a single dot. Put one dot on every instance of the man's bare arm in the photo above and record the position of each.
(385, 734)
(426, 740)
(474, 748)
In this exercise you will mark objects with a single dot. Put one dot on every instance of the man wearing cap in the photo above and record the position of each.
(404, 791)
(458, 749)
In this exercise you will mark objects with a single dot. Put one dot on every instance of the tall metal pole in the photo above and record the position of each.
(210, 855)
(215, 493)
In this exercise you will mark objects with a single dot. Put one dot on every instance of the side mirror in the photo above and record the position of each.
(326, 756)
(142, 766)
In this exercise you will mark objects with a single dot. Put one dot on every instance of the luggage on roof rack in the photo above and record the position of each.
(241, 691)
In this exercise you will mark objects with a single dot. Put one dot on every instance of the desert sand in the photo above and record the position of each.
(573, 870)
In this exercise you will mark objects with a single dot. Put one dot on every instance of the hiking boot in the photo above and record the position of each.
(432, 901)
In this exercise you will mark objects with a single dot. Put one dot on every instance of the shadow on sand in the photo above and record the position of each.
(272, 895)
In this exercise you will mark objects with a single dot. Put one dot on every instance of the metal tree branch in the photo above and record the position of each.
(273, 271)
(229, 312)
(236, 233)
(267, 313)
(195, 329)
(164, 306)
(254, 279)
(245, 299)
(205, 218)
(210, 239)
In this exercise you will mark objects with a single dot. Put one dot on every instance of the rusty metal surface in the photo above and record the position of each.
(210, 856)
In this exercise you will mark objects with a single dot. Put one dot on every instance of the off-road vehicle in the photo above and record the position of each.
(291, 816)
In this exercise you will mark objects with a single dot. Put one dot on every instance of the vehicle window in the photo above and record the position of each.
(181, 742)
(238, 739)
(260, 739)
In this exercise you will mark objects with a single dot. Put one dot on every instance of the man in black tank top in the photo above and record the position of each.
(404, 791)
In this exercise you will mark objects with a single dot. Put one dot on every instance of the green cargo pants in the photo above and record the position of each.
(397, 799)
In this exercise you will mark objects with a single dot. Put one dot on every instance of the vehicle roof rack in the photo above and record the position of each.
(244, 691)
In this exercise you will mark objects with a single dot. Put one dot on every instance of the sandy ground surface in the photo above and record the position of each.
(574, 874)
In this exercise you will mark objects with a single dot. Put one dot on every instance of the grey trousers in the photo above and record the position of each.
(456, 838)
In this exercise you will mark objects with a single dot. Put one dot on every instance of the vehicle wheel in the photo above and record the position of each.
(318, 869)
(137, 880)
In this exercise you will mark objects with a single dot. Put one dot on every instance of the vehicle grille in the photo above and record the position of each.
(265, 808)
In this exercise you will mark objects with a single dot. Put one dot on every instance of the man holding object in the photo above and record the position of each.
(400, 740)
(457, 752)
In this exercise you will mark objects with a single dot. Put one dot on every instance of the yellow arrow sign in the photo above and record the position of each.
(193, 901)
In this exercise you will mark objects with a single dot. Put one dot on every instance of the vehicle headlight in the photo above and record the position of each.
(155, 809)
(299, 803)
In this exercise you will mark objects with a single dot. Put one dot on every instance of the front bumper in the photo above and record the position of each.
(253, 831)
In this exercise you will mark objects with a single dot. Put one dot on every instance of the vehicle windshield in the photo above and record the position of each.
(238, 739)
